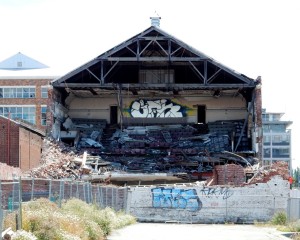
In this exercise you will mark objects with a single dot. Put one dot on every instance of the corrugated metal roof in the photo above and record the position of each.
(20, 61)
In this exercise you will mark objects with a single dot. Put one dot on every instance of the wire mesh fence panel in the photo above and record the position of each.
(10, 195)
(58, 191)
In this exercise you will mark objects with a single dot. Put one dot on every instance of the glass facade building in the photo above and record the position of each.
(277, 138)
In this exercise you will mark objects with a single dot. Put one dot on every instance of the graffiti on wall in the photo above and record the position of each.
(161, 108)
(176, 199)
(222, 192)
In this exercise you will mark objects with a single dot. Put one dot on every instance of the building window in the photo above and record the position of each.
(266, 128)
(281, 140)
(43, 115)
(277, 128)
(44, 92)
(27, 113)
(17, 92)
(267, 140)
(280, 153)
(267, 153)
(156, 76)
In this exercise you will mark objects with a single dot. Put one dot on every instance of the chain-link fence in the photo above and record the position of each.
(14, 193)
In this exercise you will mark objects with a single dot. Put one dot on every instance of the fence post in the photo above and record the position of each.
(20, 205)
(77, 194)
(84, 197)
(13, 197)
(98, 196)
(60, 192)
(117, 199)
(50, 190)
(32, 189)
(112, 198)
(91, 192)
(1, 212)
(125, 196)
(128, 200)
(88, 192)
(71, 189)
(63, 189)
(101, 199)
(105, 196)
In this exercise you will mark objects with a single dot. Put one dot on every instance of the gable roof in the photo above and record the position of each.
(152, 45)
(25, 125)
(20, 61)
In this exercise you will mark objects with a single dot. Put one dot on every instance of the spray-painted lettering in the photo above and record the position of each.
(216, 192)
(176, 198)
(162, 108)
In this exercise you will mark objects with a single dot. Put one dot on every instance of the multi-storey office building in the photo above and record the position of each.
(277, 138)
(24, 94)
(25, 98)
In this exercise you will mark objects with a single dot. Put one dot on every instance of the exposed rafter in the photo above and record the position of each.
(150, 49)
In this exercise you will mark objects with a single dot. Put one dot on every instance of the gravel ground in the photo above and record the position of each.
(161, 231)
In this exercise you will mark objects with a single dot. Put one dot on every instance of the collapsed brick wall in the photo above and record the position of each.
(264, 174)
(229, 174)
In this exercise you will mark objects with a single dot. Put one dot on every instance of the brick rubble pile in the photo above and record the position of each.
(55, 161)
(265, 174)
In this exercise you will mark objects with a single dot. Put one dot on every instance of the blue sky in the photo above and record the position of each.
(253, 37)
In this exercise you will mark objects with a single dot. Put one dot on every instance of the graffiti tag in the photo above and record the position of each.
(217, 192)
(161, 108)
(176, 198)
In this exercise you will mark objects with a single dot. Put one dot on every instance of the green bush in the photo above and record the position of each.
(279, 218)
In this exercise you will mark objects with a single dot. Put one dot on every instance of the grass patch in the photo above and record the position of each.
(280, 221)
(75, 220)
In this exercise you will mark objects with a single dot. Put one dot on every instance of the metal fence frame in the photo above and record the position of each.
(14, 193)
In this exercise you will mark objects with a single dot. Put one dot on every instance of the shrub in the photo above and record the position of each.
(75, 220)
(279, 218)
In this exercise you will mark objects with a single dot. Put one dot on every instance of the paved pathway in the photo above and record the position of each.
(173, 231)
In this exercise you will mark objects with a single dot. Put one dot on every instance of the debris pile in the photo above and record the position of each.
(61, 161)
(54, 161)
(96, 149)
(265, 173)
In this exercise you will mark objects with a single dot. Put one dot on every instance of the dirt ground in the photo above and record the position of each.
(161, 231)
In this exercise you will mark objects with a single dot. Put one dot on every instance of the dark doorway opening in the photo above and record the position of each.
(201, 114)
(113, 114)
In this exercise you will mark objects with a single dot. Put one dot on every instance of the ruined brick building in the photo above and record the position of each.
(154, 104)
(20, 144)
